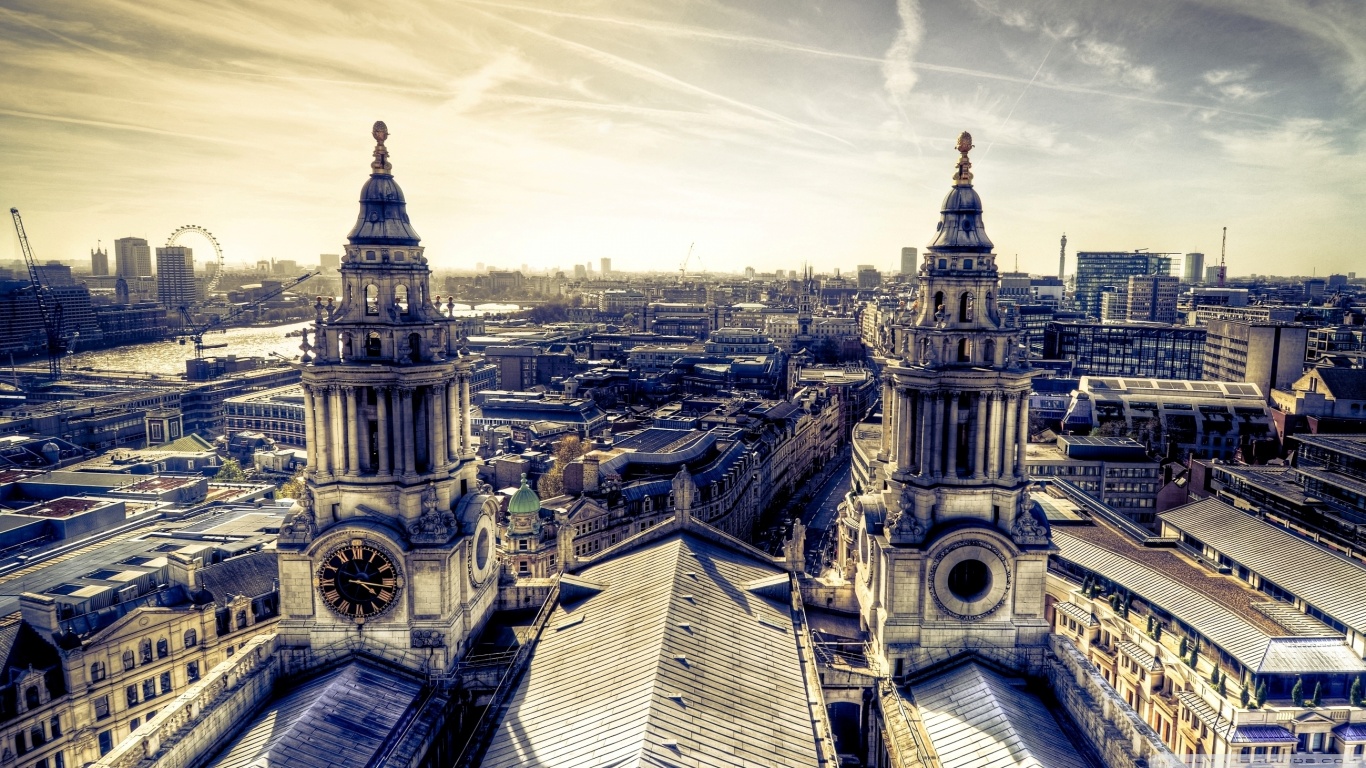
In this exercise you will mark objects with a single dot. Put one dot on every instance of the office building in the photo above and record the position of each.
(605, 266)
(1216, 275)
(1097, 269)
(330, 263)
(1127, 349)
(1193, 268)
(175, 277)
(1208, 419)
(1270, 355)
(1152, 298)
(1114, 304)
(909, 258)
(99, 262)
(132, 257)
(868, 278)
(54, 273)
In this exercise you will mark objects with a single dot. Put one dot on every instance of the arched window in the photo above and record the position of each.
(369, 255)
(938, 301)
(127, 660)
(97, 672)
(401, 298)
(241, 619)
(371, 298)
(989, 352)
(374, 347)
(965, 308)
(163, 648)
(415, 347)
(145, 651)
(31, 698)
(191, 638)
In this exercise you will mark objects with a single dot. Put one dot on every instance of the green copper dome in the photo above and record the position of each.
(524, 501)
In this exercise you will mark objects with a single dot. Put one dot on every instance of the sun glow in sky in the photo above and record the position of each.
(770, 132)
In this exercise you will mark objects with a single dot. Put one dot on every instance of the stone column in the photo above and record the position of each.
(337, 448)
(383, 425)
(452, 404)
(311, 429)
(951, 460)
(1008, 446)
(979, 436)
(352, 416)
(436, 425)
(1021, 446)
(935, 446)
(925, 428)
(366, 466)
(896, 449)
(466, 440)
(405, 420)
(396, 430)
(888, 419)
(913, 415)
(994, 437)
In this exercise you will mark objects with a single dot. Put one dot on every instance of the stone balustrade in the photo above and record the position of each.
(207, 714)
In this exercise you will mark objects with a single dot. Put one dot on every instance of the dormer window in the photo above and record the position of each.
(943, 263)
(398, 255)
(967, 263)
(370, 256)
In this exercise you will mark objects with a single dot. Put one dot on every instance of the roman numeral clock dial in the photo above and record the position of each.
(358, 581)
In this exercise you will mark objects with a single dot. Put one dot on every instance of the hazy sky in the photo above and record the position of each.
(770, 132)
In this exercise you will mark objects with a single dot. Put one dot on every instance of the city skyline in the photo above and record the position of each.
(771, 136)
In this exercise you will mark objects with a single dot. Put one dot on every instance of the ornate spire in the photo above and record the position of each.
(960, 227)
(381, 162)
(383, 218)
(963, 176)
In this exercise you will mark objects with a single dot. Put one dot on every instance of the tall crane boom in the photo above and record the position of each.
(48, 307)
(196, 333)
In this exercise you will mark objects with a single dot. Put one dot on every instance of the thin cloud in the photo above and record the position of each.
(637, 69)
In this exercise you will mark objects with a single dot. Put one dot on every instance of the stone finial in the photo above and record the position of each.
(381, 161)
(963, 176)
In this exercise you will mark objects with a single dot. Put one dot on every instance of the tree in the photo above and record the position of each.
(1261, 693)
(1214, 676)
(1354, 696)
(292, 488)
(1184, 649)
(566, 450)
(230, 472)
(1245, 698)
(1150, 625)
(1223, 689)
(1195, 657)
(1157, 633)
(1317, 698)
(1297, 693)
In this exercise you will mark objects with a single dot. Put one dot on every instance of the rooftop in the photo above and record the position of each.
(1328, 581)
(704, 667)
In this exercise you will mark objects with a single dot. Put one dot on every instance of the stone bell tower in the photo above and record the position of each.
(950, 553)
(391, 476)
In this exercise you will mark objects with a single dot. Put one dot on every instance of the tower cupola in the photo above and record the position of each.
(383, 218)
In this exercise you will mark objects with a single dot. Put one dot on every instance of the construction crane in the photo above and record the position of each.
(195, 334)
(683, 269)
(48, 306)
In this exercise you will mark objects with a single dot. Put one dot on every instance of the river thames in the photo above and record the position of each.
(168, 357)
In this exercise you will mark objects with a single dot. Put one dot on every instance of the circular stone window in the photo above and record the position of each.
(481, 550)
(969, 580)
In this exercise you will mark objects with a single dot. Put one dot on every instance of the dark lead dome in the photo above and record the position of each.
(960, 229)
(383, 218)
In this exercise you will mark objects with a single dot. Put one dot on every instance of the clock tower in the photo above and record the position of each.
(391, 547)
(949, 554)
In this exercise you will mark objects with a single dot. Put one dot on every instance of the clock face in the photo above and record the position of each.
(358, 581)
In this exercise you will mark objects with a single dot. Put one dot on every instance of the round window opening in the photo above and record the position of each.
(970, 580)
(481, 550)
